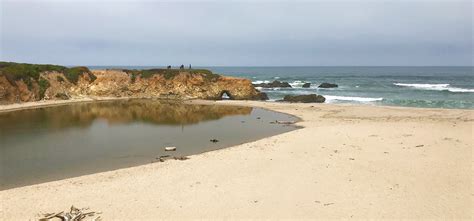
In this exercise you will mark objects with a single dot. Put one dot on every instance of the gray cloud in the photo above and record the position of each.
(237, 33)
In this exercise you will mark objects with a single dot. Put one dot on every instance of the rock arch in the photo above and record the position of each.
(225, 92)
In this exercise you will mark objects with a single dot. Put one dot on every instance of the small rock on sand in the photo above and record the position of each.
(170, 148)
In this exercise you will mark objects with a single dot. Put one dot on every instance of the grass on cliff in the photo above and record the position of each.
(31, 72)
(171, 73)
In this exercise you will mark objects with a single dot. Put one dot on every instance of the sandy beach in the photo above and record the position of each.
(347, 162)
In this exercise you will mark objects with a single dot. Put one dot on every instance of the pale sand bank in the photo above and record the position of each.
(347, 162)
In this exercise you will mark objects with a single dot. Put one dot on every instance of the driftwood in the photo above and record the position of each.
(181, 158)
(166, 157)
(74, 214)
(282, 122)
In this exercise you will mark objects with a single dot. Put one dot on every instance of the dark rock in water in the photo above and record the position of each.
(327, 85)
(306, 85)
(261, 96)
(214, 140)
(273, 84)
(310, 98)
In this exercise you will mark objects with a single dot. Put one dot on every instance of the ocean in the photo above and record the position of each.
(432, 87)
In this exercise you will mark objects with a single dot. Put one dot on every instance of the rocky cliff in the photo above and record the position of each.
(27, 82)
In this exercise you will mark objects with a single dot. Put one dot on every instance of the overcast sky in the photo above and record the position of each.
(237, 33)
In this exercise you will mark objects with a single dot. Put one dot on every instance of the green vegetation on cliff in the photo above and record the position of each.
(171, 73)
(31, 72)
(43, 85)
(73, 74)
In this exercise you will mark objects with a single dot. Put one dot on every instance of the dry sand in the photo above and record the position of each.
(347, 162)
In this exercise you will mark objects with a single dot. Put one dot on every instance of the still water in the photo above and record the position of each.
(52, 143)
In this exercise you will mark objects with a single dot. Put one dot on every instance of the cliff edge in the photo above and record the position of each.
(30, 82)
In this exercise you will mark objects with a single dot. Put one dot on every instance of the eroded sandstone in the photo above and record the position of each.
(158, 83)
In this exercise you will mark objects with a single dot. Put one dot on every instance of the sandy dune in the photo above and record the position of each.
(347, 162)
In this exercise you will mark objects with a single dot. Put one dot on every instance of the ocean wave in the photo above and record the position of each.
(331, 98)
(436, 87)
(298, 84)
(260, 82)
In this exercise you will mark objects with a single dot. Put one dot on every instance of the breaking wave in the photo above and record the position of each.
(436, 87)
(330, 98)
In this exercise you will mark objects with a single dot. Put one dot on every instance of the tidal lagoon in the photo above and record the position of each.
(51, 143)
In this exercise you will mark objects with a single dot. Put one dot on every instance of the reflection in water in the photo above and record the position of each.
(53, 143)
(117, 112)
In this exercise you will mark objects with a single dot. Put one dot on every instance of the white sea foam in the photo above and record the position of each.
(260, 82)
(436, 87)
(297, 84)
(331, 98)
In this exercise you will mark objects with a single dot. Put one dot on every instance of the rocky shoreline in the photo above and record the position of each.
(29, 82)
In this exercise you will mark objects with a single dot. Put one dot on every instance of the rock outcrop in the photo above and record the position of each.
(25, 82)
(327, 85)
(310, 98)
(273, 84)
(306, 85)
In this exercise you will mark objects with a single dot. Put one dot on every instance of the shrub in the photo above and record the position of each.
(19, 71)
(59, 79)
(73, 74)
(92, 77)
(62, 96)
(31, 72)
(43, 86)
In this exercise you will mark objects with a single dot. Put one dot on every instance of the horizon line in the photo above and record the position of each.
(250, 66)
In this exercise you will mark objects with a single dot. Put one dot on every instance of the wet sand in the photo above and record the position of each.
(347, 162)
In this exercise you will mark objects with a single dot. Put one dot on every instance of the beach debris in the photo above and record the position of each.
(181, 158)
(170, 148)
(214, 140)
(421, 145)
(74, 214)
(351, 159)
(282, 122)
(328, 204)
(162, 158)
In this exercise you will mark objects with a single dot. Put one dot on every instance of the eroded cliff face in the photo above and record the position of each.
(182, 84)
